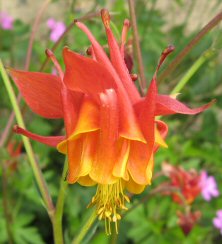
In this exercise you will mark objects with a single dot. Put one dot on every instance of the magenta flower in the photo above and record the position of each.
(208, 186)
(57, 29)
(217, 221)
(6, 21)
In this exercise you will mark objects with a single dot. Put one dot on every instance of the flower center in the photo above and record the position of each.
(109, 201)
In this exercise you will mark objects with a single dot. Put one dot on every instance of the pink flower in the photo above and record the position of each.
(57, 29)
(217, 221)
(6, 21)
(208, 186)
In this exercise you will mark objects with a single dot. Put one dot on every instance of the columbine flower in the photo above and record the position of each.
(111, 131)
(217, 221)
(57, 29)
(187, 182)
(6, 21)
(188, 220)
(208, 186)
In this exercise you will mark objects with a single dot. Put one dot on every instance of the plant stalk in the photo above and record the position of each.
(207, 28)
(193, 69)
(35, 167)
(6, 132)
(85, 228)
(142, 80)
(57, 218)
(6, 204)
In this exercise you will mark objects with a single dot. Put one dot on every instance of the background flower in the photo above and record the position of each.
(187, 221)
(6, 21)
(208, 186)
(217, 221)
(57, 29)
(186, 181)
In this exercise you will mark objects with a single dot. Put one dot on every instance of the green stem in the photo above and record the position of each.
(85, 228)
(114, 236)
(208, 27)
(192, 71)
(6, 204)
(35, 167)
(57, 219)
(33, 33)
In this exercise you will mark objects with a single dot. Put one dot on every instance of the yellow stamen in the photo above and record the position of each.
(109, 201)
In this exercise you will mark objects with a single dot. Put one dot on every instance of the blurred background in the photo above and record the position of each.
(195, 142)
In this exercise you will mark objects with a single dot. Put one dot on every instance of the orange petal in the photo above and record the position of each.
(88, 121)
(120, 168)
(102, 58)
(71, 103)
(106, 149)
(118, 61)
(41, 91)
(140, 163)
(74, 149)
(81, 153)
(88, 117)
(62, 147)
(129, 126)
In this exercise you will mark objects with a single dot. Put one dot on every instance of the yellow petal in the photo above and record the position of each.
(81, 154)
(133, 187)
(62, 147)
(86, 181)
(139, 164)
(120, 168)
(88, 120)
(159, 140)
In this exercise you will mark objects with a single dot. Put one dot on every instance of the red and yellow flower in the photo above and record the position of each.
(187, 182)
(111, 131)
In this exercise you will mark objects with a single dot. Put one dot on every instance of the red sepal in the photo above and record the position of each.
(41, 91)
(51, 141)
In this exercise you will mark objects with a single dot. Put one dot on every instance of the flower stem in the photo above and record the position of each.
(6, 132)
(193, 69)
(85, 228)
(35, 167)
(208, 27)
(57, 218)
(34, 31)
(142, 80)
(113, 239)
(6, 204)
